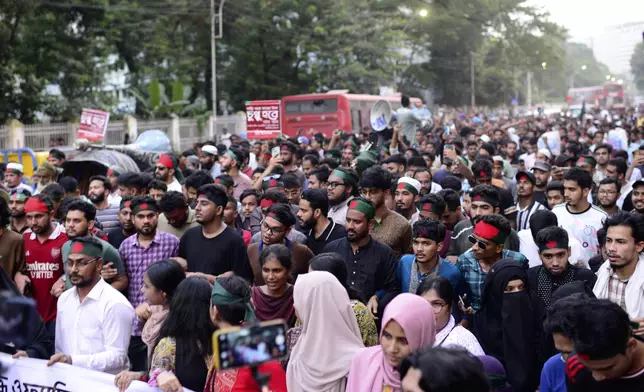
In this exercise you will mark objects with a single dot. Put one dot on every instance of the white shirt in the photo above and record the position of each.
(626, 189)
(175, 186)
(455, 336)
(529, 249)
(95, 333)
(583, 227)
(435, 188)
(339, 212)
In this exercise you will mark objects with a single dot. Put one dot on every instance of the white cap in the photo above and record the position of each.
(485, 138)
(15, 166)
(546, 152)
(411, 181)
(210, 149)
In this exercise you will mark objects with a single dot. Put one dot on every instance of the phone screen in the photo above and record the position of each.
(275, 151)
(251, 346)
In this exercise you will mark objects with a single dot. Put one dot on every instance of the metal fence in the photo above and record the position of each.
(4, 136)
(115, 133)
(41, 136)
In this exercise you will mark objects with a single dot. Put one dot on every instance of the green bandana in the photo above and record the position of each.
(232, 155)
(342, 174)
(221, 296)
(86, 248)
(368, 210)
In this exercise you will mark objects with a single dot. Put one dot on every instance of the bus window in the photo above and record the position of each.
(312, 106)
(356, 120)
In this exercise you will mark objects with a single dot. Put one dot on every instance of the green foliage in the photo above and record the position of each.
(637, 66)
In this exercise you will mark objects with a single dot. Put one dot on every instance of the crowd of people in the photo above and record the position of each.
(480, 255)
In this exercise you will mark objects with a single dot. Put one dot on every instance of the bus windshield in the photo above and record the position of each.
(311, 106)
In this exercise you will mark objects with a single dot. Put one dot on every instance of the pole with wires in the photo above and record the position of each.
(216, 18)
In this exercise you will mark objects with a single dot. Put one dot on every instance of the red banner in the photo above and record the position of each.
(263, 119)
(93, 124)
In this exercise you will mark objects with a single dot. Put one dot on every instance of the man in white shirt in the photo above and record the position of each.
(94, 320)
(165, 170)
(580, 219)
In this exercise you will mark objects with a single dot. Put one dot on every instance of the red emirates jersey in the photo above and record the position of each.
(45, 265)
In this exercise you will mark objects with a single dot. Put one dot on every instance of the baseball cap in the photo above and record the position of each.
(524, 173)
(542, 165)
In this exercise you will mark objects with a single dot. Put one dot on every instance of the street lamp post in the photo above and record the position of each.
(213, 53)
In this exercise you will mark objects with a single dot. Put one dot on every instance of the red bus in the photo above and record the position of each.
(613, 95)
(326, 112)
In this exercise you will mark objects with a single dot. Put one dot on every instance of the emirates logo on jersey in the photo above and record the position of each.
(55, 252)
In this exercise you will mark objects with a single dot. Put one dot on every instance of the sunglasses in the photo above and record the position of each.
(482, 245)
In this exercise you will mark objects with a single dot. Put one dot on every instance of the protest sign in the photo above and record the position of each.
(28, 374)
(93, 124)
(263, 119)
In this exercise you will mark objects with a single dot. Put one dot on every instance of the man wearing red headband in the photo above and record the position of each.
(526, 204)
(165, 170)
(43, 256)
(487, 240)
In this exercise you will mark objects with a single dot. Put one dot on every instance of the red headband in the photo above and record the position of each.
(166, 161)
(266, 203)
(486, 231)
(36, 205)
(482, 173)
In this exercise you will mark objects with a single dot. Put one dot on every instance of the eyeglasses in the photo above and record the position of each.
(366, 192)
(82, 264)
(482, 245)
(272, 230)
(438, 306)
(606, 193)
(333, 185)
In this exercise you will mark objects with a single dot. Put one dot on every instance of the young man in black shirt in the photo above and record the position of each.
(213, 249)
(117, 235)
(320, 230)
(608, 356)
(371, 264)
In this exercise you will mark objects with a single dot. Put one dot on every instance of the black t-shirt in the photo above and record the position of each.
(334, 231)
(214, 256)
(580, 379)
(115, 236)
(540, 196)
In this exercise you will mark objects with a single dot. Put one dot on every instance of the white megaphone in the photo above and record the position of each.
(381, 115)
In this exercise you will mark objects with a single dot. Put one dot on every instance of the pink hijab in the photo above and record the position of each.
(369, 369)
(330, 335)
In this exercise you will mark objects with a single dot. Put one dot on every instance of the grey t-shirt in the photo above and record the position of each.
(459, 243)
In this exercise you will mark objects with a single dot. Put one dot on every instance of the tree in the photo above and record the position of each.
(637, 66)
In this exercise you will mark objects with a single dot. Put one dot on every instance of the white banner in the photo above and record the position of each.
(33, 375)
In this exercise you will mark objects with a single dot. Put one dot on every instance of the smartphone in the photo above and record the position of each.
(249, 346)
(461, 301)
(275, 151)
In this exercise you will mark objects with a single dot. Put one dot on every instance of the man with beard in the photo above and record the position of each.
(371, 264)
(12, 255)
(637, 197)
(118, 234)
(287, 155)
(209, 160)
(427, 185)
(607, 196)
(138, 252)
(425, 261)
(621, 277)
(556, 270)
(485, 201)
(541, 171)
(602, 156)
(131, 184)
(231, 162)
(617, 169)
(486, 240)
(17, 199)
(391, 228)
(320, 230)
(309, 163)
(225, 253)
(318, 178)
(177, 216)
(46, 174)
(43, 256)
(165, 171)
(232, 220)
(577, 216)
(79, 221)
(277, 223)
(406, 197)
(13, 177)
(195, 181)
(342, 187)
(99, 190)
(92, 334)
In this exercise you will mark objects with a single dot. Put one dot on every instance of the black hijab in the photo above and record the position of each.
(576, 287)
(508, 325)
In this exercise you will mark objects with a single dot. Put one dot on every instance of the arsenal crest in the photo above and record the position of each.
(55, 252)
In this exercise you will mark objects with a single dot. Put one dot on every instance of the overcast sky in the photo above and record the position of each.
(588, 18)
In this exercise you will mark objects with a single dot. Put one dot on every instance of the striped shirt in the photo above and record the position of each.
(108, 217)
(523, 215)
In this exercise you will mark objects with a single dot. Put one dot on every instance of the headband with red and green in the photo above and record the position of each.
(86, 248)
(125, 204)
(559, 243)
(139, 207)
(587, 159)
(489, 232)
(342, 174)
(367, 209)
(224, 182)
(408, 187)
(34, 204)
(269, 183)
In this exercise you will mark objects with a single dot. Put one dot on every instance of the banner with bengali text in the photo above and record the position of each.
(263, 119)
(33, 375)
